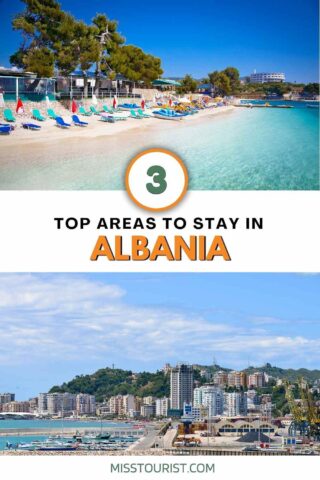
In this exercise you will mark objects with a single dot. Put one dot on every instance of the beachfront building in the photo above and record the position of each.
(15, 407)
(56, 403)
(85, 404)
(266, 77)
(123, 405)
(162, 407)
(6, 397)
(235, 404)
(181, 386)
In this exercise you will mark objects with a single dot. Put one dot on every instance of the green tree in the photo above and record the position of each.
(135, 64)
(234, 77)
(220, 82)
(41, 25)
(188, 85)
(312, 89)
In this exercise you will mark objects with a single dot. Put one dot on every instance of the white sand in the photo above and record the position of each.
(51, 133)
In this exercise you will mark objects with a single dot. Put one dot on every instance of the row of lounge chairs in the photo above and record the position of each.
(107, 114)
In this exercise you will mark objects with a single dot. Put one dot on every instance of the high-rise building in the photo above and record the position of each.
(235, 404)
(43, 403)
(123, 405)
(7, 397)
(56, 403)
(85, 404)
(162, 407)
(211, 397)
(181, 386)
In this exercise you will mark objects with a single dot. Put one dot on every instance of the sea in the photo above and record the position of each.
(246, 149)
(46, 425)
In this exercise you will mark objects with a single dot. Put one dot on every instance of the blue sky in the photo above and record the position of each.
(280, 35)
(56, 326)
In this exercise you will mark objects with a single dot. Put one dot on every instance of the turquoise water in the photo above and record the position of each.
(247, 149)
(46, 424)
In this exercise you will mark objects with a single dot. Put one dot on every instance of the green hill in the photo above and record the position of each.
(107, 382)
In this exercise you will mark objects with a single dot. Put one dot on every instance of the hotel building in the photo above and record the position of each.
(267, 77)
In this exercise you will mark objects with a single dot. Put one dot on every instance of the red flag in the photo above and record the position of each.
(74, 106)
(19, 107)
(143, 103)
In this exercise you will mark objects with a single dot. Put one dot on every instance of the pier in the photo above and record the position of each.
(70, 431)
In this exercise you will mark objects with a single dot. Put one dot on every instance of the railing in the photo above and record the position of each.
(78, 94)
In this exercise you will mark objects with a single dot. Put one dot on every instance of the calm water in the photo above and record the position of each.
(248, 149)
(46, 424)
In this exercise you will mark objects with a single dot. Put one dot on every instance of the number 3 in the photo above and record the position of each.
(158, 175)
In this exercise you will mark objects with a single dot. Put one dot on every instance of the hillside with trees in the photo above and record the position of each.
(107, 382)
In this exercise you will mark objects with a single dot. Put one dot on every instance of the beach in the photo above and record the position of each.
(50, 134)
(224, 148)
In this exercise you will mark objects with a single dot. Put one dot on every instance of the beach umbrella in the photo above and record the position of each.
(143, 103)
(74, 106)
(115, 102)
(19, 107)
(48, 101)
(94, 100)
(170, 102)
(2, 104)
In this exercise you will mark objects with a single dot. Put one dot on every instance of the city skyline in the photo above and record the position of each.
(56, 326)
(282, 37)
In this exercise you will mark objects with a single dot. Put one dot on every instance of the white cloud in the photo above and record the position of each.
(76, 317)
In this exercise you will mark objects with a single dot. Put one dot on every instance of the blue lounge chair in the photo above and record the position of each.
(31, 126)
(76, 120)
(5, 129)
(61, 123)
(12, 127)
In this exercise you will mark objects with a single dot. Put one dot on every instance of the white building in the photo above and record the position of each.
(266, 77)
(60, 403)
(162, 407)
(211, 397)
(235, 404)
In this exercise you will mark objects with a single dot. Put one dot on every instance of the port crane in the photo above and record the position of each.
(306, 415)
